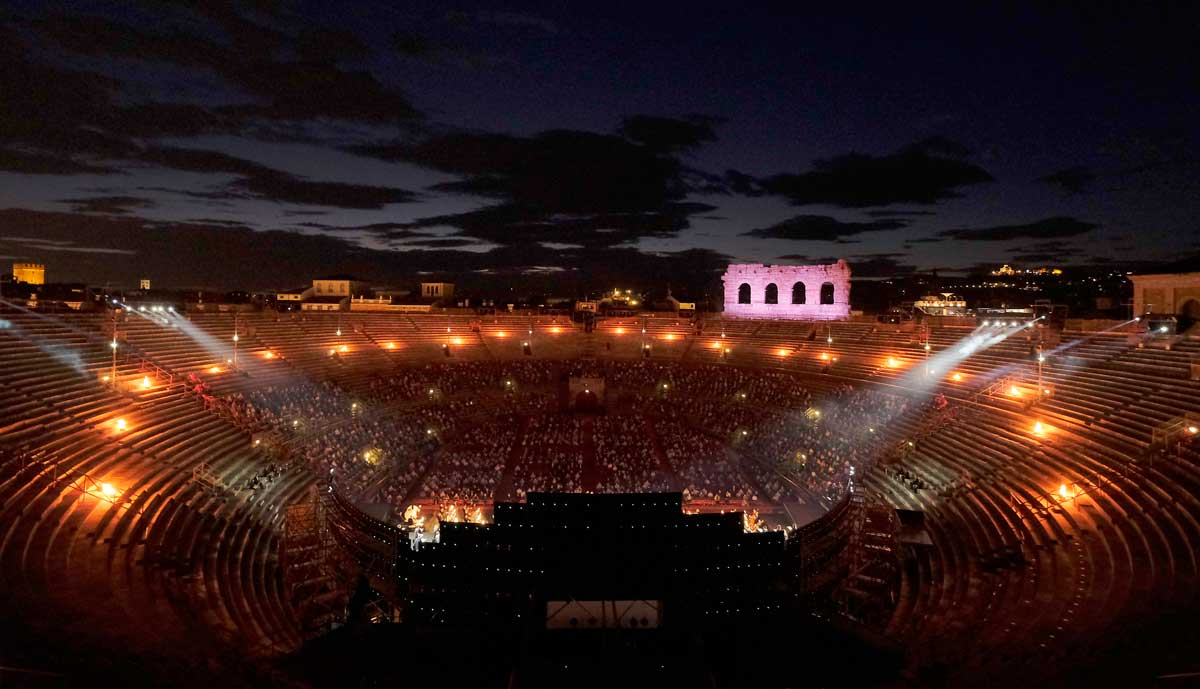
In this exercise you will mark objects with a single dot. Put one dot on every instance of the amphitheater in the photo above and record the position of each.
(145, 494)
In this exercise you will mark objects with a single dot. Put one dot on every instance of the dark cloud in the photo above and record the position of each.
(669, 135)
(924, 173)
(1052, 247)
(512, 224)
(804, 258)
(26, 162)
(821, 228)
(1050, 228)
(451, 243)
(881, 265)
(556, 186)
(1073, 180)
(112, 248)
(263, 183)
(111, 205)
(897, 213)
(295, 76)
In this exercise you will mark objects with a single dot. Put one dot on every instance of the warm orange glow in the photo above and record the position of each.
(105, 379)
(145, 382)
(892, 363)
(501, 334)
(782, 352)
(1193, 430)
(1038, 428)
(332, 352)
(343, 349)
(457, 340)
(108, 490)
(824, 356)
(215, 369)
(957, 377)
(669, 336)
(391, 345)
(620, 331)
(716, 345)
(1014, 391)
(121, 425)
(556, 329)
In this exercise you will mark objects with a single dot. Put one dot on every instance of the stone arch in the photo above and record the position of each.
(826, 292)
(744, 293)
(798, 293)
(772, 294)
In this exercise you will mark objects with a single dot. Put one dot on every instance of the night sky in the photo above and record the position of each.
(258, 144)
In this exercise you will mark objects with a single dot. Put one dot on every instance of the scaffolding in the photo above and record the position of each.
(308, 559)
(871, 562)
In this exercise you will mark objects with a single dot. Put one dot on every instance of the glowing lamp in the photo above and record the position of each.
(668, 336)
(927, 348)
(716, 345)
(391, 345)
(214, 369)
(824, 356)
(269, 355)
(782, 352)
(664, 386)
(728, 350)
(145, 382)
(620, 331)
(235, 337)
(501, 334)
(891, 362)
(343, 349)
(1038, 428)
(332, 352)
(1193, 430)
(457, 340)
(1014, 391)
(556, 329)
(113, 344)
(338, 332)
(1063, 492)
(957, 377)
(108, 490)
(105, 379)
(121, 425)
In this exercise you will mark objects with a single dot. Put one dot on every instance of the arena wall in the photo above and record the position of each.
(759, 277)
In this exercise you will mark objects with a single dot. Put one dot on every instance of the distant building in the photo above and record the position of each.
(437, 290)
(29, 273)
(333, 303)
(338, 286)
(944, 304)
(1168, 294)
(820, 292)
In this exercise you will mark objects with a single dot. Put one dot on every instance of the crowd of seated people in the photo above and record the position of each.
(704, 466)
(551, 456)
(819, 447)
(625, 458)
(447, 379)
(469, 469)
(765, 414)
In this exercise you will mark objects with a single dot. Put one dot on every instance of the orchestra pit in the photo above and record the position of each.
(269, 499)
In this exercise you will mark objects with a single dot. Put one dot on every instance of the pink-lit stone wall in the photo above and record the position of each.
(758, 276)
